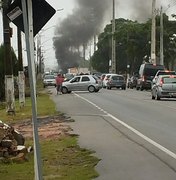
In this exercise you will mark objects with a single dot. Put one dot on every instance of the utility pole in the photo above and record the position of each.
(161, 37)
(153, 33)
(21, 77)
(9, 79)
(113, 63)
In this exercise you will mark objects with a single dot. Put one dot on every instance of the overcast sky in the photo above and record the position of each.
(124, 8)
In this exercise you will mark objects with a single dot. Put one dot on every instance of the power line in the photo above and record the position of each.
(170, 5)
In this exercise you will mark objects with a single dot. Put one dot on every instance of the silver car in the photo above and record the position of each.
(49, 80)
(165, 87)
(89, 83)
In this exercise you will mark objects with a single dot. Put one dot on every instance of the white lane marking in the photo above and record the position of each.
(162, 148)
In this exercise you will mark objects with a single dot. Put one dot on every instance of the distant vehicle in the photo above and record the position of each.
(105, 79)
(68, 76)
(116, 81)
(147, 72)
(89, 83)
(162, 72)
(165, 87)
(49, 80)
(132, 82)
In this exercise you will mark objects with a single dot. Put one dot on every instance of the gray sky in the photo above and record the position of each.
(124, 8)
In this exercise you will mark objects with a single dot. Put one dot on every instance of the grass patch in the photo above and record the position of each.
(45, 106)
(62, 160)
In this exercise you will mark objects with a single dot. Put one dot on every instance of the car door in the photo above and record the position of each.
(84, 83)
(74, 84)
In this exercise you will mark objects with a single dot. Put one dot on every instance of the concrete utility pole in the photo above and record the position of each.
(153, 33)
(113, 63)
(161, 37)
(39, 57)
(21, 77)
(9, 79)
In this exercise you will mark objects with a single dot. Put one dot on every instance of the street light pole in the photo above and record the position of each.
(113, 63)
(161, 37)
(153, 34)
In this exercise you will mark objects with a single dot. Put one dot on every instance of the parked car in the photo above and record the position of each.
(89, 83)
(162, 72)
(49, 80)
(132, 82)
(147, 72)
(105, 80)
(116, 81)
(165, 87)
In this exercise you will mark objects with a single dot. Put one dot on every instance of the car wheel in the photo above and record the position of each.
(91, 89)
(157, 96)
(137, 88)
(141, 88)
(64, 90)
(69, 92)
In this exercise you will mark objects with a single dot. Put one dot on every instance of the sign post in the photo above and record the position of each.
(28, 29)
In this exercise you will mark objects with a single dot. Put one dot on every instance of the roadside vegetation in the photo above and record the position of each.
(62, 158)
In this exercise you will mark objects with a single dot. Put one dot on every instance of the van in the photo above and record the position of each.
(147, 72)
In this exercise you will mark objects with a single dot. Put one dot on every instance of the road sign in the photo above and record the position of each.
(42, 12)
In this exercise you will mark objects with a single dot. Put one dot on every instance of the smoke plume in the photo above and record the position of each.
(87, 19)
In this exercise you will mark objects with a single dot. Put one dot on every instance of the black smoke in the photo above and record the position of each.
(78, 28)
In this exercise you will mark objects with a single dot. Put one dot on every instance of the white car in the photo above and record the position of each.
(49, 80)
(89, 83)
(105, 80)
(165, 87)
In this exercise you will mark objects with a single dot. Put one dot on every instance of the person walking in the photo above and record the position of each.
(59, 81)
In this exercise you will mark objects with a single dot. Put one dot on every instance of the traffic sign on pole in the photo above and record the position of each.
(42, 12)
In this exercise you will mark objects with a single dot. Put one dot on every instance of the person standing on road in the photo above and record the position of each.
(59, 81)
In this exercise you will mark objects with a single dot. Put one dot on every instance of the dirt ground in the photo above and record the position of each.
(54, 127)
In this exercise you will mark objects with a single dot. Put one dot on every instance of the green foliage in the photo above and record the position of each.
(133, 44)
(62, 159)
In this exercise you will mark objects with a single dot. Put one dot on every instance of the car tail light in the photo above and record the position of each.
(161, 82)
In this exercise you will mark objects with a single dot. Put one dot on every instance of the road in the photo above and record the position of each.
(133, 135)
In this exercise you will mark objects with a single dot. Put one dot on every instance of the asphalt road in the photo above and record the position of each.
(133, 135)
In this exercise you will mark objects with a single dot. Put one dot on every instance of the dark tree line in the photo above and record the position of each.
(133, 42)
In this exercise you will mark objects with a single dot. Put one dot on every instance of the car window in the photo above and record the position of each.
(166, 73)
(49, 77)
(85, 78)
(76, 79)
(115, 78)
(108, 76)
(168, 80)
(121, 78)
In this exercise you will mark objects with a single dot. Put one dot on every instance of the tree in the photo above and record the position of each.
(133, 45)
(2, 70)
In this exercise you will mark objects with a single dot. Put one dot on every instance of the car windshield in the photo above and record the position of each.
(49, 77)
(150, 71)
(168, 80)
(117, 78)
(166, 73)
